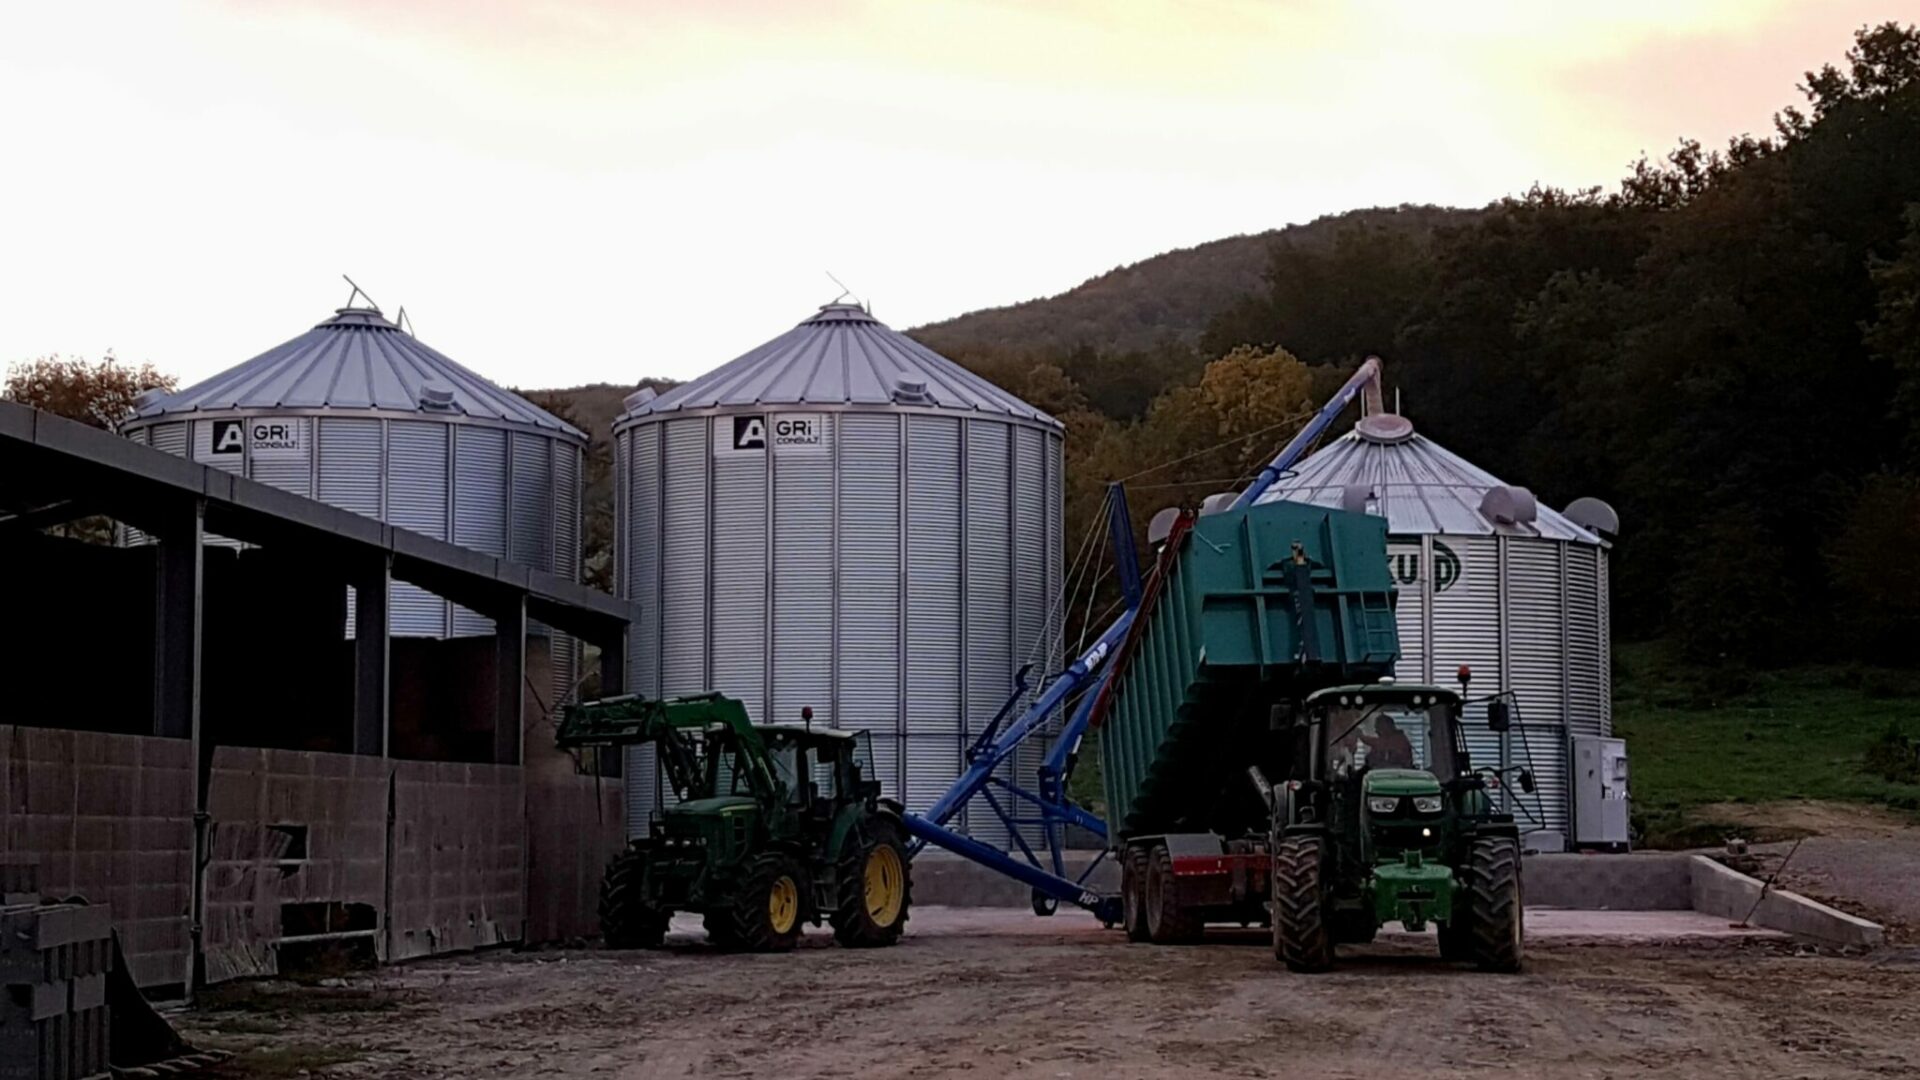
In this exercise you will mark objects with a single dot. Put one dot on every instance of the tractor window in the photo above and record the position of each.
(789, 769)
(862, 756)
(1395, 736)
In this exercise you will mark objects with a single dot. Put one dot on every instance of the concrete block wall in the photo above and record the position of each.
(458, 860)
(110, 818)
(289, 828)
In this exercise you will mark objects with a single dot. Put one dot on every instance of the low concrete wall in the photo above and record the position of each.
(1723, 891)
(1644, 881)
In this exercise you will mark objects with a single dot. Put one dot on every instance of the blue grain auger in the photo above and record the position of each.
(1084, 682)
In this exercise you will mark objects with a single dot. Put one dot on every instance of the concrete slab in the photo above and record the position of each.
(1543, 924)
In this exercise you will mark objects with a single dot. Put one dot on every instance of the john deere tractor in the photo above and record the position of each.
(775, 825)
(1386, 819)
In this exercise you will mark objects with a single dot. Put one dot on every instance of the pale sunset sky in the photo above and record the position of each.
(567, 192)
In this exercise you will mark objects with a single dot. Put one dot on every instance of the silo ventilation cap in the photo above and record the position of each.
(1509, 505)
(1385, 428)
(1593, 515)
(436, 395)
(909, 390)
(638, 398)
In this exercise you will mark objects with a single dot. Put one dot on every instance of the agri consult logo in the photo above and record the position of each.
(1446, 567)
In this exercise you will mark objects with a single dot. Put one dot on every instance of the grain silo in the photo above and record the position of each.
(359, 414)
(842, 520)
(1490, 579)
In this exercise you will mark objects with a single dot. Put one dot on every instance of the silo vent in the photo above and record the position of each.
(638, 398)
(152, 395)
(1217, 502)
(1509, 505)
(1385, 428)
(1161, 526)
(1593, 515)
(436, 395)
(908, 390)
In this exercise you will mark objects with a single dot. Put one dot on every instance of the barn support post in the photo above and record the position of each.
(372, 649)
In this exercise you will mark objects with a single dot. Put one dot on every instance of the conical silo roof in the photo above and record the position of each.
(357, 360)
(841, 356)
(1419, 486)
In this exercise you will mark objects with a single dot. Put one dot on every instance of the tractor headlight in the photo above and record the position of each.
(1384, 806)
(1428, 804)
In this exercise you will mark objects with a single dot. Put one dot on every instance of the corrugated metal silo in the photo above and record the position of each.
(1489, 579)
(359, 414)
(844, 520)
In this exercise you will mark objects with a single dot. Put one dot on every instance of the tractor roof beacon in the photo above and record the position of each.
(775, 825)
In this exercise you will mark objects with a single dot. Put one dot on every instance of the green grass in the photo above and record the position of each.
(1698, 736)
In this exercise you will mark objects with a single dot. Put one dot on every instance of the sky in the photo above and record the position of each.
(561, 193)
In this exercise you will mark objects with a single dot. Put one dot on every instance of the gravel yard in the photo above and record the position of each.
(991, 993)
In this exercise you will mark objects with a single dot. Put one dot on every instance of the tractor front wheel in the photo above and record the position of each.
(764, 913)
(876, 886)
(627, 921)
(1498, 924)
(1300, 933)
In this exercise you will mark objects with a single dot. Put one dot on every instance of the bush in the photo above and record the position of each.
(1894, 757)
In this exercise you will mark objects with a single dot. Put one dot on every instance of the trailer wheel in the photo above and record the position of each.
(1133, 894)
(1300, 932)
(1167, 922)
(626, 920)
(1498, 926)
(1044, 905)
(876, 886)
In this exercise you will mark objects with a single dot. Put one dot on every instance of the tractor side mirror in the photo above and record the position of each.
(1526, 781)
(1499, 716)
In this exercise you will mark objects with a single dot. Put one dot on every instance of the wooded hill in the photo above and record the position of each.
(1726, 347)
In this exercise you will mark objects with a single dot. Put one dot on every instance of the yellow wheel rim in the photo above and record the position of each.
(886, 882)
(783, 904)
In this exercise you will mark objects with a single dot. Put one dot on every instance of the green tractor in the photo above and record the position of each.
(1386, 819)
(776, 825)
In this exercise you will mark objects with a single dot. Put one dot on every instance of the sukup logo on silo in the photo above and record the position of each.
(1405, 564)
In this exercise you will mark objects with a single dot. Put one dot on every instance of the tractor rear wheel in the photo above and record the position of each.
(1456, 940)
(1133, 894)
(1167, 922)
(876, 886)
(1300, 933)
(626, 920)
(763, 915)
(1498, 925)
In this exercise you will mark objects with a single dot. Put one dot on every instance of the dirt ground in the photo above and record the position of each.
(993, 993)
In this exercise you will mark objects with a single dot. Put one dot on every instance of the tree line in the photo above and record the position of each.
(1726, 347)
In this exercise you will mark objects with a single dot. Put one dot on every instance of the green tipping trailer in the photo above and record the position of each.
(1224, 759)
(1245, 610)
